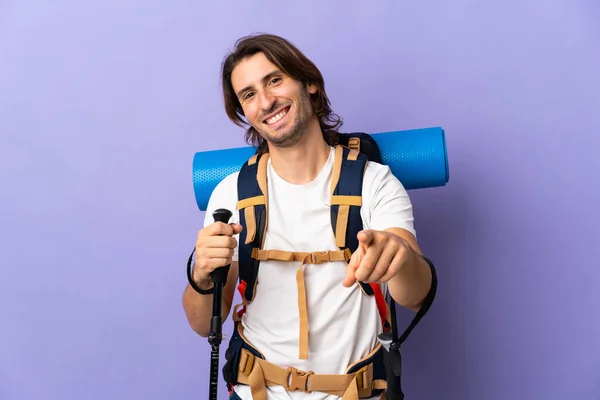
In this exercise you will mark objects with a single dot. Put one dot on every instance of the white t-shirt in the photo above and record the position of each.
(343, 323)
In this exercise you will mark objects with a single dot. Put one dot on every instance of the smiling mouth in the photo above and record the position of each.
(277, 117)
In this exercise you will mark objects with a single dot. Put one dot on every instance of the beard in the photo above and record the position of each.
(292, 133)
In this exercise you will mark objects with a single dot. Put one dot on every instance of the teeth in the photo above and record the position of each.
(277, 117)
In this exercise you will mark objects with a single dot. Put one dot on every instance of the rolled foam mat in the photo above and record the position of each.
(417, 157)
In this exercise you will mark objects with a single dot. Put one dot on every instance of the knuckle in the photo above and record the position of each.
(200, 252)
(218, 228)
(202, 263)
(361, 274)
(225, 229)
(206, 231)
(201, 242)
(223, 261)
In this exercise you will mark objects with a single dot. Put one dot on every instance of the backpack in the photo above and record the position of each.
(353, 151)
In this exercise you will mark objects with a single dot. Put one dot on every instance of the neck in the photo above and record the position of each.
(301, 163)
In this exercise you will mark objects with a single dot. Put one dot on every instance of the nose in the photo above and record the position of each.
(266, 100)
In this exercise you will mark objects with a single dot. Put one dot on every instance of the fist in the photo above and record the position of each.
(214, 248)
(378, 257)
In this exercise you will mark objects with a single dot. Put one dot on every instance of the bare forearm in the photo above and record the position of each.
(410, 286)
(198, 309)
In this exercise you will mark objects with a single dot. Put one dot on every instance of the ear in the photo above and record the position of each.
(312, 88)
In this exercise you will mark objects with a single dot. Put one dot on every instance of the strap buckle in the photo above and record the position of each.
(354, 143)
(319, 257)
(246, 362)
(347, 254)
(364, 379)
(361, 379)
(298, 380)
(258, 254)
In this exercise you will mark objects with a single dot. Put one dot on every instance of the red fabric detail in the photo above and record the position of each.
(242, 287)
(381, 306)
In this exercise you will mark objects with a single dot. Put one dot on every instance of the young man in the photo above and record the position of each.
(305, 316)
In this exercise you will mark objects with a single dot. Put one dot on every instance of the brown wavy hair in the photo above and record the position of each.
(290, 61)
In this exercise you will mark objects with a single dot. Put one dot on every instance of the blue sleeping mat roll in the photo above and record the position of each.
(417, 157)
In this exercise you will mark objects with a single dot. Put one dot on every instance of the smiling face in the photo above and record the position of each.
(276, 105)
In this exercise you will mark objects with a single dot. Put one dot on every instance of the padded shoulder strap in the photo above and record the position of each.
(346, 200)
(346, 196)
(252, 207)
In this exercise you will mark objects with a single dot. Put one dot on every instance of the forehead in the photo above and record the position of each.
(251, 70)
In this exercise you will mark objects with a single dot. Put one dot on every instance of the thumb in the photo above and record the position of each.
(237, 228)
(350, 279)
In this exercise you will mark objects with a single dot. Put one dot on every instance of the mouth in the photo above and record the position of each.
(275, 118)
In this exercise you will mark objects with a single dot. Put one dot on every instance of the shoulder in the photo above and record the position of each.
(374, 169)
(386, 203)
(380, 177)
(227, 188)
(224, 195)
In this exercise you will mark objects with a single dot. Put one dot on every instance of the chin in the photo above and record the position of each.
(287, 138)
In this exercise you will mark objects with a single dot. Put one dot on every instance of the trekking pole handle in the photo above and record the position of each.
(222, 215)
(219, 275)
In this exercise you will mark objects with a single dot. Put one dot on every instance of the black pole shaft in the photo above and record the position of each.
(215, 341)
(219, 277)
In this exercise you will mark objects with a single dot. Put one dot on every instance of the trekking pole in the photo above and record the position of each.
(219, 277)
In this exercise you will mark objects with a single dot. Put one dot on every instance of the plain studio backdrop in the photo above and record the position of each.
(104, 103)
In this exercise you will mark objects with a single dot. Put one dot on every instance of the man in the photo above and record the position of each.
(269, 85)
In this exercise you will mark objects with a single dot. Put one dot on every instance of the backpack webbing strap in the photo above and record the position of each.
(427, 302)
(316, 257)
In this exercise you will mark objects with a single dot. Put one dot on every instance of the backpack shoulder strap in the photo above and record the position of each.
(252, 206)
(346, 196)
(346, 200)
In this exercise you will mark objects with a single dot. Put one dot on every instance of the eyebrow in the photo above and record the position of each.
(264, 79)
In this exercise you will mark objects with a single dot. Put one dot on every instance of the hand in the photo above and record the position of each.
(378, 257)
(214, 248)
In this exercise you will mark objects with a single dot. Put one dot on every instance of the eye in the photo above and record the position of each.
(274, 80)
(247, 95)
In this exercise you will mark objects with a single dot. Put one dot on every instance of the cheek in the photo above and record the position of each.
(249, 113)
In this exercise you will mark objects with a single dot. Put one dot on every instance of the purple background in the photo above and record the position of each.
(103, 104)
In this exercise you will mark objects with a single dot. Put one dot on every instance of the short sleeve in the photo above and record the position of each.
(386, 201)
(225, 196)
